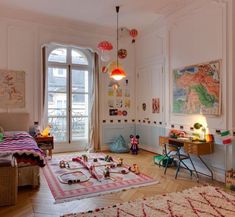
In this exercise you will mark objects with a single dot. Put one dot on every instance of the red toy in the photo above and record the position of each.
(134, 144)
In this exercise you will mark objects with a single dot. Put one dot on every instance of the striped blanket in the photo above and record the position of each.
(23, 147)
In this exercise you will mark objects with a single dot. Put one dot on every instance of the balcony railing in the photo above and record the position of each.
(79, 127)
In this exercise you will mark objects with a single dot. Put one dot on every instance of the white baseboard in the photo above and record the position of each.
(151, 149)
(104, 147)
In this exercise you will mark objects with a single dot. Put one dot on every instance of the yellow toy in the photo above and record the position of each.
(46, 131)
(135, 169)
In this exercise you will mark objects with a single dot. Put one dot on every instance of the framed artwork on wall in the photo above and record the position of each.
(155, 105)
(197, 89)
(12, 89)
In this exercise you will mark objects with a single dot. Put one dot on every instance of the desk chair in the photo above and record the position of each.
(176, 147)
(165, 153)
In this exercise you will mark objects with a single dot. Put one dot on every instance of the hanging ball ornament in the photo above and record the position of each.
(104, 69)
(105, 57)
(122, 53)
(104, 47)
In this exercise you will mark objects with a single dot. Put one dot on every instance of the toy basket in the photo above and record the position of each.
(230, 179)
(162, 160)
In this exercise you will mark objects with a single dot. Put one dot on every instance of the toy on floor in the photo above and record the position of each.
(88, 166)
(84, 157)
(120, 162)
(107, 172)
(108, 158)
(134, 169)
(134, 144)
(64, 164)
(73, 177)
(230, 179)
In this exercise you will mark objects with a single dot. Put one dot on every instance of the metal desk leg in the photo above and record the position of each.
(191, 172)
(206, 166)
(194, 168)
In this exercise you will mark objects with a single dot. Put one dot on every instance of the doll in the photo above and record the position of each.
(134, 144)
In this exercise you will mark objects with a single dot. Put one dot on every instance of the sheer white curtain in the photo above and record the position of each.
(94, 142)
(43, 109)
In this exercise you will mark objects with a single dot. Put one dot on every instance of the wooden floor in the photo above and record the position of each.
(40, 202)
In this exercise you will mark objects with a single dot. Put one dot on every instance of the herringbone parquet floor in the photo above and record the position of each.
(40, 202)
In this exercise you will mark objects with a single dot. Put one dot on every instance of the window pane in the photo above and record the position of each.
(58, 55)
(79, 128)
(78, 57)
(79, 104)
(59, 128)
(57, 79)
(79, 81)
(58, 106)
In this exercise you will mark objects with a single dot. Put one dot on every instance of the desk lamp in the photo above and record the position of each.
(199, 126)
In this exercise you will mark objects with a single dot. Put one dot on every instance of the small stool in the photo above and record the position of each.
(8, 180)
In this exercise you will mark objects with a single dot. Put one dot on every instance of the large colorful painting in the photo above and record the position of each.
(12, 89)
(196, 89)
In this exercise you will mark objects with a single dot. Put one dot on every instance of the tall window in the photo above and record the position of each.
(68, 91)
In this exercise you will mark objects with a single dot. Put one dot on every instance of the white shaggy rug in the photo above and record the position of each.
(206, 201)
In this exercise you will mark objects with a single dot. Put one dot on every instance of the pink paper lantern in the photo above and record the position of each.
(105, 46)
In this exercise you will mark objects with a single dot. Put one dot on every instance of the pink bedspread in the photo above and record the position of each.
(23, 147)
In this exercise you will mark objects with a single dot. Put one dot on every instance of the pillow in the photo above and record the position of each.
(119, 145)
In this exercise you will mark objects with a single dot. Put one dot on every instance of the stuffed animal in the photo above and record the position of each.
(134, 144)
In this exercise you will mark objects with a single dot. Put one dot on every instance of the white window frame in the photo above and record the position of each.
(67, 65)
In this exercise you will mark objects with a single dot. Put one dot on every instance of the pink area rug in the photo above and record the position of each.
(88, 185)
(205, 201)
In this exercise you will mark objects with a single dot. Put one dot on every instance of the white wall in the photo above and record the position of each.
(196, 34)
(20, 49)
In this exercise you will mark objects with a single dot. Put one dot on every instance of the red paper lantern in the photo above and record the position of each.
(117, 74)
(133, 34)
(105, 45)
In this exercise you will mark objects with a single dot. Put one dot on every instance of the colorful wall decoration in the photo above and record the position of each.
(119, 98)
(12, 89)
(197, 89)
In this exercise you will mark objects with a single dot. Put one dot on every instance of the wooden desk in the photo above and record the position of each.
(192, 147)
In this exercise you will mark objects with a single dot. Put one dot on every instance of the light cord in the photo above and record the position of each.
(117, 10)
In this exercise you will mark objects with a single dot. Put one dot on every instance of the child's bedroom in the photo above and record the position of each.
(117, 108)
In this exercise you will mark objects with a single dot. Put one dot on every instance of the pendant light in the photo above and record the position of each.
(118, 73)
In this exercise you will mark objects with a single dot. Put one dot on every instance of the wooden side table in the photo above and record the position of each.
(45, 143)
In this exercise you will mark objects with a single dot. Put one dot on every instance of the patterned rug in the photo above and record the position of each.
(204, 201)
(85, 182)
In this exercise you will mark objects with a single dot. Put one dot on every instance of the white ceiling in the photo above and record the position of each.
(133, 13)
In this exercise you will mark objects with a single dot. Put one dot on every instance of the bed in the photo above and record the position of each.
(19, 143)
